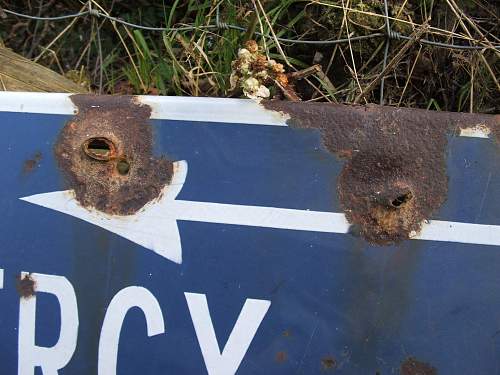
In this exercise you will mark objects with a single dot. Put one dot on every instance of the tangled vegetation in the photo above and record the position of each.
(109, 57)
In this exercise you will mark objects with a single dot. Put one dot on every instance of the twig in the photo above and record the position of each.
(435, 30)
(191, 27)
(300, 74)
(332, 57)
(456, 11)
(100, 60)
(416, 35)
(350, 49)
(54, 56)
(143, 86)
(471, 101)
(409, 76)
(278, 45)
(488, 67)
(460, 14)
(261, 29)
(251, 27)
(313, 70)
(47, 48)
(288, 91)
(4, 88)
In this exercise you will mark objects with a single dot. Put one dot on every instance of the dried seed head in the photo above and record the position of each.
(244, 54)
(259, 64)
(252, 46)
(278, 68)
(282, 79)
(251, 84)
(262, 76)
(263, 92)
(233, 80)
(253, 89)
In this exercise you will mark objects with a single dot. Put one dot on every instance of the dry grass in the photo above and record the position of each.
(114, 58)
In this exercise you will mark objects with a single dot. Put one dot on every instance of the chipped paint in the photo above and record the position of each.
(211, 110)
(26, 286)
(476, 131)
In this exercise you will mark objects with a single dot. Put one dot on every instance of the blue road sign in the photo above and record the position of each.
(161, 235)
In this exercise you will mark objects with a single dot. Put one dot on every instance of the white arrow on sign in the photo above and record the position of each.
(155, 226)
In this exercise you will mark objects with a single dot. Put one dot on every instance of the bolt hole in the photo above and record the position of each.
(123, 167)
(99, 148)
(402, 199)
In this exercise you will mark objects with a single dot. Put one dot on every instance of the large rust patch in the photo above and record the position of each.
(395, 171)
(106, 155)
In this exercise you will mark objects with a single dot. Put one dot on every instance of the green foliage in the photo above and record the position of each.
(184, 62)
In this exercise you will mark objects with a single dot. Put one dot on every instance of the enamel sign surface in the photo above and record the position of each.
(159, 235)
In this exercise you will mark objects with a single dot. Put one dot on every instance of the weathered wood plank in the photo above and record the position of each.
(20, 74)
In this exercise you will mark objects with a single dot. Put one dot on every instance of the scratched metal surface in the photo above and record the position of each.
(337, 304)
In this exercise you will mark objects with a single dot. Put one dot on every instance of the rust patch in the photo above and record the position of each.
(411, 366)
(25, 286)
(106, 155)
(328, 363)
(32, 163)
(394, 176)
(281, 357)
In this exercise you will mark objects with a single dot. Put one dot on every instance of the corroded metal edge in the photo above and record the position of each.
(394, 175)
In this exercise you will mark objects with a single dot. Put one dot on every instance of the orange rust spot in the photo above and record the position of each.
(30, 164)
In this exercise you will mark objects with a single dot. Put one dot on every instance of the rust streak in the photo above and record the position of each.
(281, 357)
(106, 155)
(394, 176)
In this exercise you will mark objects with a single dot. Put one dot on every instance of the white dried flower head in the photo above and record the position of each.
(271, 62)
(233, 80)
(244, 54)
(263, 92)
(252, 46)
(253, 89)
(244, 68)
(276, 67)
(251, 85)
